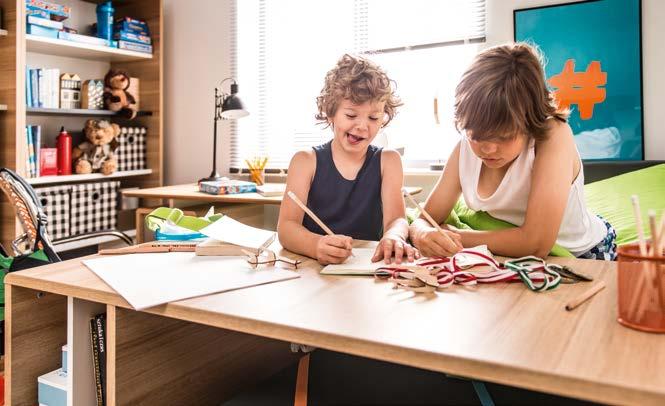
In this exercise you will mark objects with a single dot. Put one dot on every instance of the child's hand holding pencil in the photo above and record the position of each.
(331, 248)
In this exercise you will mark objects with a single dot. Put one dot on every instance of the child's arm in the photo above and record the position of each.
(292, 234)
(440, 202)
(555, 167)
(395, 226)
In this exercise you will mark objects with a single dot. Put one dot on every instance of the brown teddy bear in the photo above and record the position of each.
(116, 97)
(96, 154)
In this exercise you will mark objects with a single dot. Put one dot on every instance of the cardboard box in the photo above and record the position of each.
(52, 388)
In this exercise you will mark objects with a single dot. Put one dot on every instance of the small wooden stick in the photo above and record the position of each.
(585, 296)
(655, 251)
(638, 302)
(309, 213)
(150, 248)
(638, 224)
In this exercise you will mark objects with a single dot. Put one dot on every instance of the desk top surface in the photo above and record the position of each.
(501, 332)
(191, 192)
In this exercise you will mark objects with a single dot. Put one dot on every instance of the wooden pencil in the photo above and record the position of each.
(638, 302)
(422, 210)
(309, 212)
(585, 296)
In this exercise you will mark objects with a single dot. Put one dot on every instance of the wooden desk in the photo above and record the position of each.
(201, 350)
(190, 192)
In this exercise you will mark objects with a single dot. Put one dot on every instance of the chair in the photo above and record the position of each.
(33, 220)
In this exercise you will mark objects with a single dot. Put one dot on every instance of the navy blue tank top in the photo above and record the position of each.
(348, 207)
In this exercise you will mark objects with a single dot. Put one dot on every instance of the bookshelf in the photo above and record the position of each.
(40, 111)
(18, 50)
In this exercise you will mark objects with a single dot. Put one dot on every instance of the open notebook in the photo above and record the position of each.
(362, 263)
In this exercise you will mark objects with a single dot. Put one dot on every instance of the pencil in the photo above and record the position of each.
(309, 213)
(150, 248)
(638, 224)
(585, 296)
(422, 210)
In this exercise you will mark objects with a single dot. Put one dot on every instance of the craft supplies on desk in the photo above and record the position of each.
(147, 280)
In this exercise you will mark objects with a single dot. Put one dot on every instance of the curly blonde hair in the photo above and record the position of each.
(504, 93)
(358, 80)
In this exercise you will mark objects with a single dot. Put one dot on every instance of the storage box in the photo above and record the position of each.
(94, 207)
(42, 31)
(131, 152)
(55, 203)
(52, 389)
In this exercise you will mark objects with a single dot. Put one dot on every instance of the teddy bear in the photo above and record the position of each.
(96, 154)
(116, 97)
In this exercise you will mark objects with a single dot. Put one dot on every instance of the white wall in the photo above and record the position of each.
(196, 60)
(196, 49)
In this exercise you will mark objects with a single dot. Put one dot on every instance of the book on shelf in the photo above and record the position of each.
(271, 189)
(94, 338)
(135, 46)
(43, 88)
(100, 325)
(227, 187)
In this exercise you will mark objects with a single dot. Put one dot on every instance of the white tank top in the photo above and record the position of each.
(580, 229)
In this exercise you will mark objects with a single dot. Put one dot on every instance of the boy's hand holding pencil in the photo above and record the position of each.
(436, 241)
(331, 248)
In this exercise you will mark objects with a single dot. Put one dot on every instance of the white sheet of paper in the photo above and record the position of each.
(147, 280)
(231, 231)
(360, 264)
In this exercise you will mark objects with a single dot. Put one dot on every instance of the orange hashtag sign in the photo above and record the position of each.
(581, 88)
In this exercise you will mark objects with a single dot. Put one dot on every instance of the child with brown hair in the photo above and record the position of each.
(518, 162)
(351, 185)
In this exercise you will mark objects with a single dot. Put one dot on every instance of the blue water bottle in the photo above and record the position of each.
(105, 21)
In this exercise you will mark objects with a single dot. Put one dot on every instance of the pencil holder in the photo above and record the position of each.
(641, 289)
(257, 176)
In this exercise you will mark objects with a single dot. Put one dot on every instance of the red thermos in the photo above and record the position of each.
(64, 145)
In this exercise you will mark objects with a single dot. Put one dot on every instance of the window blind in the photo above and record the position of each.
(283, 48)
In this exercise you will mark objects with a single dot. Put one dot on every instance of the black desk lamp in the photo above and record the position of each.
(227, 107)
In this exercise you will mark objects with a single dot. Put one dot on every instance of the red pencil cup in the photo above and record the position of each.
(641, 289)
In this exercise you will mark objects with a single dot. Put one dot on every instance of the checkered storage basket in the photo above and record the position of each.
(94, 207)
(131, 153)
(55, 201)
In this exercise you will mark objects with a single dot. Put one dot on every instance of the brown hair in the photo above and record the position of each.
(504, 93)
(359, 80)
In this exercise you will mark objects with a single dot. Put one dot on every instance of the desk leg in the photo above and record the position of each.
(35, 331)
(164, 361)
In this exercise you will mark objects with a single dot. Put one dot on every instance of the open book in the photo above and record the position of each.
(362, 263)
(230, 237)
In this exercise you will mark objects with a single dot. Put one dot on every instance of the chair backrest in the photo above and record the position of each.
(30, 215)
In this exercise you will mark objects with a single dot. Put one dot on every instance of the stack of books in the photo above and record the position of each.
(33, 136)
(42, 87)
(227, 187)
(132, 34)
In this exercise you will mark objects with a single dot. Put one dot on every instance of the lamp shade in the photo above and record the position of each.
(233, 108)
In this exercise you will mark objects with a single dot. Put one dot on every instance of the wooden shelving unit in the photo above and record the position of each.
(40, 111)
(18, 50)
(60, 47)
(51, 180)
